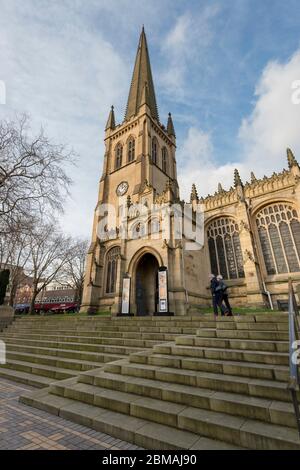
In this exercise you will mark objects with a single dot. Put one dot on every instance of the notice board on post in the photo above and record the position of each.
(163, 301)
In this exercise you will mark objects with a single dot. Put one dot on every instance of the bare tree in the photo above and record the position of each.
(14, 256)
(32, 172)
(49, 252)
(73, 272)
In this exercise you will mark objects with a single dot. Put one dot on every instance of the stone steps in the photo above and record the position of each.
(239, 383)
(243, 344)
(159, 336)
(180, 354)
(137, 343)
(219, 382)
(87, 347)
(19, 376)
(72, 354)
(138, 431)
(244, 334)
(249, 406)
(57, 361)
(61, 348)
(42, 370)
(259, 387)
(160, 333)
(212, 423)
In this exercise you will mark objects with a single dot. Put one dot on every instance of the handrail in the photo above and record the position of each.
(294, 379)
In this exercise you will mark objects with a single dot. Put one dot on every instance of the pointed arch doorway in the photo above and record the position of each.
(146, 288)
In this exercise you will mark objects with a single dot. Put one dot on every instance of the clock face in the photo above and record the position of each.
(122, 188)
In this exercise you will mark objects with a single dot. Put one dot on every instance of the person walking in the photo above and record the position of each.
(222, 287)
(217, 295)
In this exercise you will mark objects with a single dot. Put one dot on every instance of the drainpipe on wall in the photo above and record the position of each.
(269, 295)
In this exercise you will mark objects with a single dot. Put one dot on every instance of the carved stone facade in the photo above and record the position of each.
(251, 234)
(267, 214)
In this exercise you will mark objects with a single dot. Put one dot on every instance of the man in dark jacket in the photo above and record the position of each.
(216, 295)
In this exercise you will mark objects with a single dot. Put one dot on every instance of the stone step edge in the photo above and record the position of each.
(61, 351)
(229, 426)
(269, 411)
(147, 386)
(38, 381)
(111, 340)
(34, 365)
(94, 365)
(140, 370)
(135, 430)
(91, 377)
(59, 343)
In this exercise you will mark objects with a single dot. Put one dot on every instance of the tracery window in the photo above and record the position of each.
(164, 156)
(119, 152)
(131, 150)
(154, 150)
(225, 248)
(279, 233)
(111, 269)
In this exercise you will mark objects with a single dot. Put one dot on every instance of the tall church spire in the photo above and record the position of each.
(141, 75)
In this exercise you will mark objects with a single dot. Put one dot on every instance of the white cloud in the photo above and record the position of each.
(197, 165)
(185, 44)
(274, 123)
(65, 75)
(264, 135)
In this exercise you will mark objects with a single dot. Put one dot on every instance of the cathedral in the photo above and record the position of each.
(251, 232)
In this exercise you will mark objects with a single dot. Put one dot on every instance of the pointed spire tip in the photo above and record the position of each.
(170, 126)
(141, 74)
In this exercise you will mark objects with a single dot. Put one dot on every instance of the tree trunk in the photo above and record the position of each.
(32, 302)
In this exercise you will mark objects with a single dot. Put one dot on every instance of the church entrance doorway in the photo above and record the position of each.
(146, 285)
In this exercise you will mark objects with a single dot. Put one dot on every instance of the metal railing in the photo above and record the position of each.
(294, 379)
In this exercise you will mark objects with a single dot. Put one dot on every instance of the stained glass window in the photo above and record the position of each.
(279, 234)
(119, 151)
(131, 150)
(164, 156)
(154, 150)
(111, 269)
(225, 249)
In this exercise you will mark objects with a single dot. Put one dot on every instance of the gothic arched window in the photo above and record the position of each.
(119, 152)
(279, 233)
(111, 269)
(131, 150)
(164, 159)
(154, 150)
(225, 248)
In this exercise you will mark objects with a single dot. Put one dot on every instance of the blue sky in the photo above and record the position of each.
(223, 68)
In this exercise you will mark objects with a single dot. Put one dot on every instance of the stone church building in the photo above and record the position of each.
(251, 231)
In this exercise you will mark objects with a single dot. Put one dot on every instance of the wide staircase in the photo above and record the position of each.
(41, 350)
(223, 386)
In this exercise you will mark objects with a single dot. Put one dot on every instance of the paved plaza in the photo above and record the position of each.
(22, 427)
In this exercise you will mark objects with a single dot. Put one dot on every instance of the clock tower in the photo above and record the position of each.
(139, 168)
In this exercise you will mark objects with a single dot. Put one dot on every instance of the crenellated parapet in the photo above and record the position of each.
(266, 184)
(220, 199)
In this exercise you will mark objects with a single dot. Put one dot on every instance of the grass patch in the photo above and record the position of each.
(242, 310)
